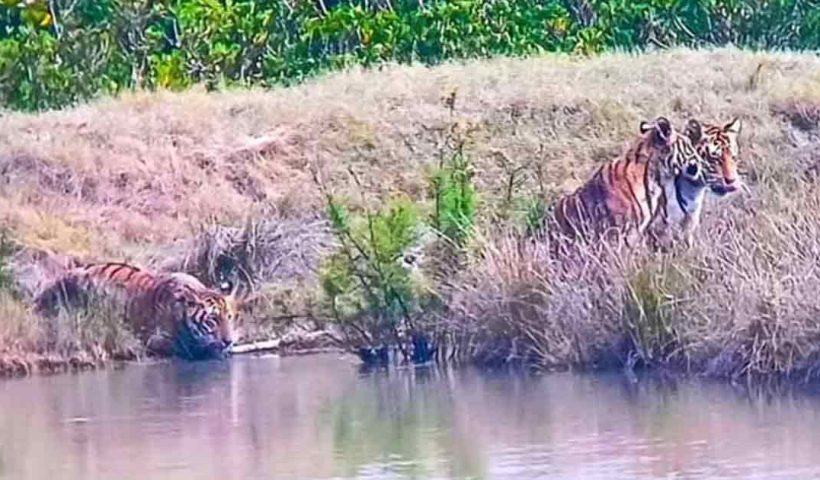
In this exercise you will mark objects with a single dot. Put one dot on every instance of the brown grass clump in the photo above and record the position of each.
(742, 302)
(67, 342)
(264, 251)
(135, 178)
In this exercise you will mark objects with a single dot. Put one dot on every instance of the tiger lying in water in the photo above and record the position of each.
(173, 313)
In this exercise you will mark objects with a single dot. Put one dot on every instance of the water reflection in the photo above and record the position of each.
(320, 417)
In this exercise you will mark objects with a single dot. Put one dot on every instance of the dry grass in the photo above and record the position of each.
(742, 302)
(70, 341)
(133, 178)
(144, 168)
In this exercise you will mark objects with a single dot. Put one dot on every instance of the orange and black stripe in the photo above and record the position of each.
(176, 305)
(626, 194)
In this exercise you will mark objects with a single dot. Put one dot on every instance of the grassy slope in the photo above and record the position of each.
(120, 178)
(143, 169)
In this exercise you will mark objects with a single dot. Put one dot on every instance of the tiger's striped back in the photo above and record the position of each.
(172, 313)
(75, 287)
(625, 195)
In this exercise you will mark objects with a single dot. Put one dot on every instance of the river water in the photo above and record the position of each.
(321, 417)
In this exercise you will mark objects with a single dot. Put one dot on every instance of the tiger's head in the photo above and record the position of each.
(680, 162)
(207, 331)
(675, 152)
(719, 148)
(659, 135)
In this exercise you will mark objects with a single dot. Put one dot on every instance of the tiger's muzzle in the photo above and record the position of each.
(195, 342)
(726, 187)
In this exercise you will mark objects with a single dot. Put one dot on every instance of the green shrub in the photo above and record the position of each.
(367, 287)
(6, 249)
(454, 196)
(56, 53)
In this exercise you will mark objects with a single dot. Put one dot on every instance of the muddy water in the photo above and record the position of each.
(320, 417)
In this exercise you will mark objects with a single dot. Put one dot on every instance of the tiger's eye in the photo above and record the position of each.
(692, 170)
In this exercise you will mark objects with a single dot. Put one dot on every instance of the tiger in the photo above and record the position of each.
(172, 313)
(718, 146)
(625, 196)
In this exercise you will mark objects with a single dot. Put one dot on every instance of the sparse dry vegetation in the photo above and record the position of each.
(69, 340)
(176, 180)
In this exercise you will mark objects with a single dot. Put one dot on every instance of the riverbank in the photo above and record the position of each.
(29, 361)
(171, 181)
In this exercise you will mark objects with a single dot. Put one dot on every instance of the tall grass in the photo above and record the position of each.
(98, 330)
(740, 303)
(6, 250)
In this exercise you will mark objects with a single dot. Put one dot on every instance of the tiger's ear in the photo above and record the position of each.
(694, 130)
(733, 127)
(238, 293)
(227, 288)
(230, 290)
(661, 129)
(645, 126)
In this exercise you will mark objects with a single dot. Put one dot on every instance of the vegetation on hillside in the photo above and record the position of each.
(373, 286)
(55, 53)
(434, 174)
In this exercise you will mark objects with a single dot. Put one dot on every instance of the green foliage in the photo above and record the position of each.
(55, 53)
(6, 250)
(454, 198)
(366, 285)
(535, 215)
(373, 285)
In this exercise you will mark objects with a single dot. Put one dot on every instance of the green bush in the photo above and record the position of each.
(6, 250)
(55, 53)
(453, 194)
(367, 287)
(375, 286)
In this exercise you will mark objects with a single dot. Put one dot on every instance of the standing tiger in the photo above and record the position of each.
(627, 194)
(174, 313)
(718, 146)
